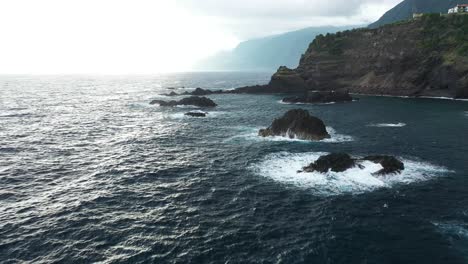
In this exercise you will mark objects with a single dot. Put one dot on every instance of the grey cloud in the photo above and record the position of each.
(279, 8)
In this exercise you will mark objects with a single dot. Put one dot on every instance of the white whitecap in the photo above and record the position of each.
(283, 167)
(388, 125)
(251, 134)
(453, 229)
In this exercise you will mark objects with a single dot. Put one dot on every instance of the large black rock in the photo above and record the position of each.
(298, 124)
(196, 114)
(193, 100)
(337, 162)
(390, 164)
(320, 97)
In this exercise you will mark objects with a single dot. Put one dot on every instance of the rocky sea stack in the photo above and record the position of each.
(193, 100)
(337, 162)
(297, 124)
(340, 162)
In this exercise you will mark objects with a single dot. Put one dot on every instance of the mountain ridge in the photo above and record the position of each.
(267, 53)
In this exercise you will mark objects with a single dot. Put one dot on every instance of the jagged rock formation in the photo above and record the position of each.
(337, 162)
(298, 124)
(391, 165)
(193, 100)
(196, 92)
(340, 162)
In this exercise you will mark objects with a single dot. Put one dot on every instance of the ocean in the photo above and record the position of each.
(90, 172)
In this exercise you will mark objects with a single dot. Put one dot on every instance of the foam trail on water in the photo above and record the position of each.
(283, 167)
(388, 125)
(457, 229)
(252, 135)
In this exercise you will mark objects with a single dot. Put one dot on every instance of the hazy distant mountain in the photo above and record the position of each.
(267, 53)
(405, 10)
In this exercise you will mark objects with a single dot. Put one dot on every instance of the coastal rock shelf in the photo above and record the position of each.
(193, 100)
(319, 97)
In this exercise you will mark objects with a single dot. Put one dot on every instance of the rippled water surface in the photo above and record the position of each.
(90, 172)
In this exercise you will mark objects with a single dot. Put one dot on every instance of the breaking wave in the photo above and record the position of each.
(252, 135)
(283, 167)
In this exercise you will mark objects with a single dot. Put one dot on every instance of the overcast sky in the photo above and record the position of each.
(147, 36)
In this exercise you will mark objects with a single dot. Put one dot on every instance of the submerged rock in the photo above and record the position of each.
(390, 164)
(340, 162)
(337, 162)
(196, 114)
(298, 124)
(320, 97)
(193, 100)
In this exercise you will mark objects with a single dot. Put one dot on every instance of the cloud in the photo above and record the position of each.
(251, 18)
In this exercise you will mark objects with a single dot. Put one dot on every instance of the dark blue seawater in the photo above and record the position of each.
(90, 172)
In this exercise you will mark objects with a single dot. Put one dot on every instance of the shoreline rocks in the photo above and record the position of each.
(320, 97)
(297, 123)
(196, 92)
(340, 162)
(193, 100)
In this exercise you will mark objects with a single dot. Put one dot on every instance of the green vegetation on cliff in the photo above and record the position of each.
(427, 56)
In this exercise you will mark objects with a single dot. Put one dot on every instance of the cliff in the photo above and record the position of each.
(423, 57)
(407, 8)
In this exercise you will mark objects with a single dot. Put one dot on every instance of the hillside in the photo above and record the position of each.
(405, 10)
(266, 54)
(423, 57)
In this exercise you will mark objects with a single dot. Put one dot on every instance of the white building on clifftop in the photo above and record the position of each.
(458, 9)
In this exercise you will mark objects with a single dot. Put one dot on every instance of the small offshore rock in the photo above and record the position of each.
(297, 123)
(337, 162)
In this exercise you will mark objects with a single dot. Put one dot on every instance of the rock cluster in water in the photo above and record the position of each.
(340, 162)
(196, 92)
(193, 100)
(297, 124)
(320, 97)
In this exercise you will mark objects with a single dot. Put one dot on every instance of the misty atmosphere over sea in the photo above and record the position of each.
(90, 172)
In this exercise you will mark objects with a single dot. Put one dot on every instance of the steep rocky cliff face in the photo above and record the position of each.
(424, 57)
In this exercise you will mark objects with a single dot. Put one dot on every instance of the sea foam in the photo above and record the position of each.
(388, 125)
(251, 134)
(283, 167)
